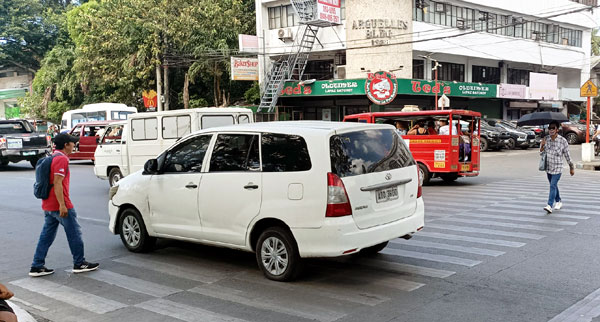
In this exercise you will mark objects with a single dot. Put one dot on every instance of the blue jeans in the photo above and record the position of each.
(72, 230)
(554, 194)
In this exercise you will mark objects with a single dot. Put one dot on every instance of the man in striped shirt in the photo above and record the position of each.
(556, 147)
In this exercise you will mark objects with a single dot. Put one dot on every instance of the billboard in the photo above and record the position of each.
(543, 86)
(329, 10)
(244, 68)
(248, 43)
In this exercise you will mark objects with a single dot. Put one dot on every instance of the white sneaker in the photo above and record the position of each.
(548, 209)
(558, 205)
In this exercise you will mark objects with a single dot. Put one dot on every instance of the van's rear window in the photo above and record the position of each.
(368, 151)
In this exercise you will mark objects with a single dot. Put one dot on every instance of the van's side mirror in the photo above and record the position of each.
(151, 167)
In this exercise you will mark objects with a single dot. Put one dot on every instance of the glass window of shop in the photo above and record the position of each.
(282, 16)
(486, 74)
(440, 13)
(418, 69)
(518, 76)
(451, 72)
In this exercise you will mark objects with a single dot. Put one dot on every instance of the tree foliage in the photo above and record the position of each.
(595, 43)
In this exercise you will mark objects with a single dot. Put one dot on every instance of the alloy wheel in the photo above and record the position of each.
(274, 256)
(131, 231)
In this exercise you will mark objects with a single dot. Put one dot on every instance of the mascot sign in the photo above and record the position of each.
(381, 87)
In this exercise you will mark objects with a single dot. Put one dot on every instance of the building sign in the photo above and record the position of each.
(12, 93)
(422, 87)
(150, 100)
(248, 43)
(381, 87)
(324, 88)
(379, 31)
(512, 91)
(329, 11)
(243, 68)
(543, 86)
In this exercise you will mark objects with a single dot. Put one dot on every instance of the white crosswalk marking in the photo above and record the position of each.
(82, 300)
(430, 257)
(515, 218)
(470, 250)
(188, 270)
(500, 224)
(487, 231)
(299, 309)
(499, 210)
(185, 312)
(132, 283)
(406, 268)
(497, 242)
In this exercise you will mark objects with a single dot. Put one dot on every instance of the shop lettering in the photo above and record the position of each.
(437, 89)
(380, 24)
(296, 90)
(339, 85)
(372, 76)
(244, 63)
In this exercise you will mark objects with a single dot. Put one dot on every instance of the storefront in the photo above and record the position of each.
(333, 99)
(9, 108)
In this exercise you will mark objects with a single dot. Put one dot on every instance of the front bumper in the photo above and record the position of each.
(113, 211)
(339, 235)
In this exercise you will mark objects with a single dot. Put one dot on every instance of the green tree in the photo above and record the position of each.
(595, 43)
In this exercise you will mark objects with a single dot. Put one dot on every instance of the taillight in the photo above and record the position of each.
(338, 204)
(2, 143)
(48, 140)
(420, 183)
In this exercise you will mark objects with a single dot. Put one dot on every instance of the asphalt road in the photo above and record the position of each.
(488, 253)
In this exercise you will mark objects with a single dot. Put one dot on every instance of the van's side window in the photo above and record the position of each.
(113, 134)
(243, 119)
(174, 127)
(208, 121)
(235, 152)
(144, 129)
(283, 153)
(187, 156)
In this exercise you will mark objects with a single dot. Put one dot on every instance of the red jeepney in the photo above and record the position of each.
(89, 134)
(447, 156)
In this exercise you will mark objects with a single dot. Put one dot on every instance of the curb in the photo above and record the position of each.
(22, 315)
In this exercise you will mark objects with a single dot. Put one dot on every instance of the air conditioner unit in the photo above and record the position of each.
(285, 34)
(460, 24)
(339, 72)
(565, 41)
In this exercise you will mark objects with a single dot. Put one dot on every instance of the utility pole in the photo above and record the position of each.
(436, 88)
(159, 106)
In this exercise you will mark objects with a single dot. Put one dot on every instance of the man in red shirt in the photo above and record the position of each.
(58, 209)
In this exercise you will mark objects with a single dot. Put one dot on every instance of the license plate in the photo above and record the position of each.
(386, 194)
(464, 167)
(14, 143)
(25, 153)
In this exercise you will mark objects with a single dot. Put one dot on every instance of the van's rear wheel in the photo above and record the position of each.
(373, 249)
(449, 177)
(133, 232)
(277, 254)
(114, 175)
(424, 175)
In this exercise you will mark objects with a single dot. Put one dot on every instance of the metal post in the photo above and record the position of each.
(436, 84)
(588, 114)
(159, 106)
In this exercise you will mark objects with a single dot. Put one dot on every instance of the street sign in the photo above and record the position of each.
(443, 101)
(588, 89)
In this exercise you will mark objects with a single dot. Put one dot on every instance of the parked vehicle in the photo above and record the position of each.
(95, 112)
(127, 145)
(575, 133)
(89, 134)
(284, 190)
(20, 142)
(445, 156)
(519, 138)
(492, 138)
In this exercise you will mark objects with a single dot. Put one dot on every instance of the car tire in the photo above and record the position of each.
(114, 175)
(572, 138)
(133, 232)
(449, 177)
(511, 144)
(3, 163)
(369, 251)
(283, 265)
(483, 144)
(33, 162)
(525, 147)
(425, 175)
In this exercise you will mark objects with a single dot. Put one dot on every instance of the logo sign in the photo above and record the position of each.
(388, 176)
(150, 100)
(381, 87)
(329, 10)
(588, 89)
(243, 68)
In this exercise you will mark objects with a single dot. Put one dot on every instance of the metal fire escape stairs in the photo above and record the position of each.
(292, 65)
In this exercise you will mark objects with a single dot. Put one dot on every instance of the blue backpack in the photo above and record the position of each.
(42, 185)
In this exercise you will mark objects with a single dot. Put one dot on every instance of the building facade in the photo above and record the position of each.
(14, 83)
(501, 58)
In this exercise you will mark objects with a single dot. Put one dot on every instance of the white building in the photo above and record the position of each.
(503, 58)
(14, 83)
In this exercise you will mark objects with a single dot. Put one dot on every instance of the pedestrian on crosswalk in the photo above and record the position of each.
(59, 210)
(556, 147)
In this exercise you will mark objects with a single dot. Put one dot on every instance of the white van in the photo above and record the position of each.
(284, 190)
(127, 145)
(95, 112)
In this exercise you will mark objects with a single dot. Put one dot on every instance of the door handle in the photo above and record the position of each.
(251, 186)
(191, 186)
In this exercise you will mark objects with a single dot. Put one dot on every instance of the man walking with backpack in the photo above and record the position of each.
(58, 209)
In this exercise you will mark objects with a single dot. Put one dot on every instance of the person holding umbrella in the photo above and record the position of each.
(556, 147)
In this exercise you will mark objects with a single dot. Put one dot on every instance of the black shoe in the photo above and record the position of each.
(85, 267)
(40, 271)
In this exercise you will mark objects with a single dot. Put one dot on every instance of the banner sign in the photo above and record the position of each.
(150, 100)
(248, 43)
(543, 86)
(512, 91)
(243, 68)
(329, 11)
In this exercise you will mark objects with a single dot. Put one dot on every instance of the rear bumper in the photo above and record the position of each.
(24, 154)
(338, 235)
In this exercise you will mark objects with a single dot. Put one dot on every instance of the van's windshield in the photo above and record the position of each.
(368, 151)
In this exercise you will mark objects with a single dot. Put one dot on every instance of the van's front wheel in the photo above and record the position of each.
(277, 254)
(114, 175)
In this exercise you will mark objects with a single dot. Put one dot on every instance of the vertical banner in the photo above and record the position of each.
(329, 10)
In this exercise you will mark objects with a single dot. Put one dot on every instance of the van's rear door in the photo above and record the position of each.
(379, 173)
